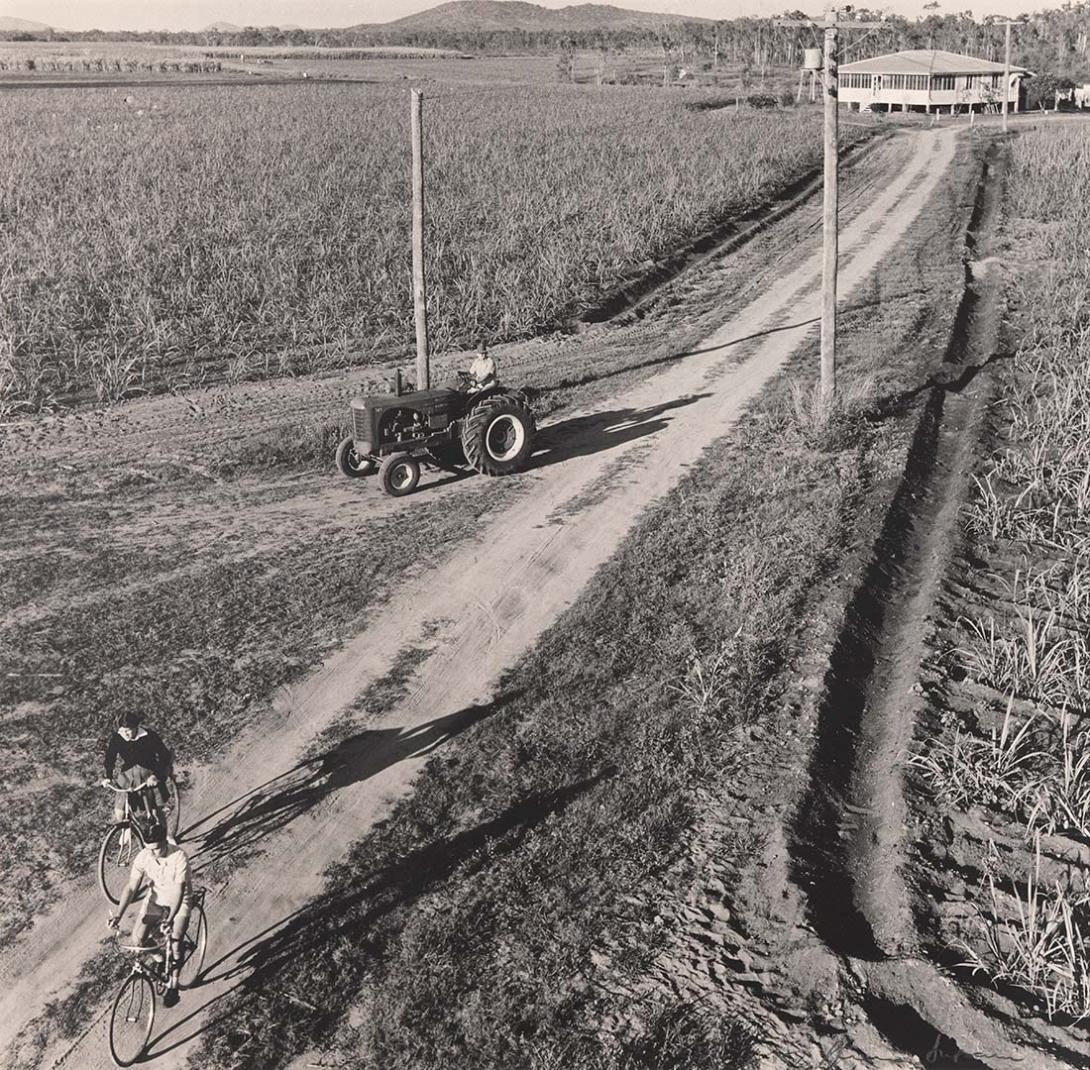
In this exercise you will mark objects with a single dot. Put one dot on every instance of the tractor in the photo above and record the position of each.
(490, 430)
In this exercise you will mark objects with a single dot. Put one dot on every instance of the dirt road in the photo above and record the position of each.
(465, 623)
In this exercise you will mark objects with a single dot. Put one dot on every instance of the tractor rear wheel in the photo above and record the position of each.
(351, 463)
(498, 435)
(399, 474)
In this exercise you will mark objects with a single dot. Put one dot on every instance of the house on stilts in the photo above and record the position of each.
(929, 80)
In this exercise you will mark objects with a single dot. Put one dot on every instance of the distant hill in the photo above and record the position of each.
(9, 24)
(230, 27)
(462, 15)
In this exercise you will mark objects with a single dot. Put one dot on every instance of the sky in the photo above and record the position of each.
(196, 14)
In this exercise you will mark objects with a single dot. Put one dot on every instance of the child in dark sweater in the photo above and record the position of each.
(135, 753)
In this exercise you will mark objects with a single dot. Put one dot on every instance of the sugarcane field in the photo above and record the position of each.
(543, 537)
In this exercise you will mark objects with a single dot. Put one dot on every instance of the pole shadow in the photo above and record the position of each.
(670, 358)
(947, 378)
(750, 337)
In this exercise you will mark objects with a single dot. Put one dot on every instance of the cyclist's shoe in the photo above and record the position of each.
(170, 996)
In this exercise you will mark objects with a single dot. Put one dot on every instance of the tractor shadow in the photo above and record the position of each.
(354, 908)
(581, 436)
(240, 828)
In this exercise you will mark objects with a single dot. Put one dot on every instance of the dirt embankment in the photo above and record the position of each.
(610, 463)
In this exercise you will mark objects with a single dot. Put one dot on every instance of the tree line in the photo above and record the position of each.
(1057, 41)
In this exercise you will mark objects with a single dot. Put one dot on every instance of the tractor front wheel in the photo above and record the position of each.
(351, 463)
(399, 474)
(498, 435)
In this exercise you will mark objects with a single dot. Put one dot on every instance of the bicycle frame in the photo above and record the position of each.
(160, 974)
(148, 810)
(133, 1016)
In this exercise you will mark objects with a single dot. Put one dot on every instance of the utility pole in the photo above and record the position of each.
(830, 212)
(420, 293)
(830, 205)
(1007, 66)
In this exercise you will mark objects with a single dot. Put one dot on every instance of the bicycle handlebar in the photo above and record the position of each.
(132, 949)
(151, 782)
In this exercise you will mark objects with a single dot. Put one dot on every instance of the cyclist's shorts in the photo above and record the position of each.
(153, 910)
(135, 775)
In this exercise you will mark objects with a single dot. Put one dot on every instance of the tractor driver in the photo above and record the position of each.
(482, 372)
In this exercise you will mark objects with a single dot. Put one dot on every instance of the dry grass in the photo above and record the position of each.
(1036, 772)
(826, 423)
(1035, 658)
(969, 771)
(1037, 937)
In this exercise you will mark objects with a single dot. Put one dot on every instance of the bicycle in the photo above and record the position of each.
(125, 839)
(133, 1014)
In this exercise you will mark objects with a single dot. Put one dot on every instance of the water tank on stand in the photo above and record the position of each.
(811, 59)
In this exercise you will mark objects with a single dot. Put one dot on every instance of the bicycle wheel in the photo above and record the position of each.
(131, 1019)
(194, 947)
(120, 846)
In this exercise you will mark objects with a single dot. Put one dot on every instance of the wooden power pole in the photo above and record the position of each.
(420, 293)
(830, 212)
(1007, 66)
(831, 202)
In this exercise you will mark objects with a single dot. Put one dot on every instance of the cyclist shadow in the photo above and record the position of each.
(273, 806)
(256, 961)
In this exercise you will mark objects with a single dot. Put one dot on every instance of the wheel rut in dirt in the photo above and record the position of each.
(848, 834)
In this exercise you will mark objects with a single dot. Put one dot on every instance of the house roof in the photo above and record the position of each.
(925, 61)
